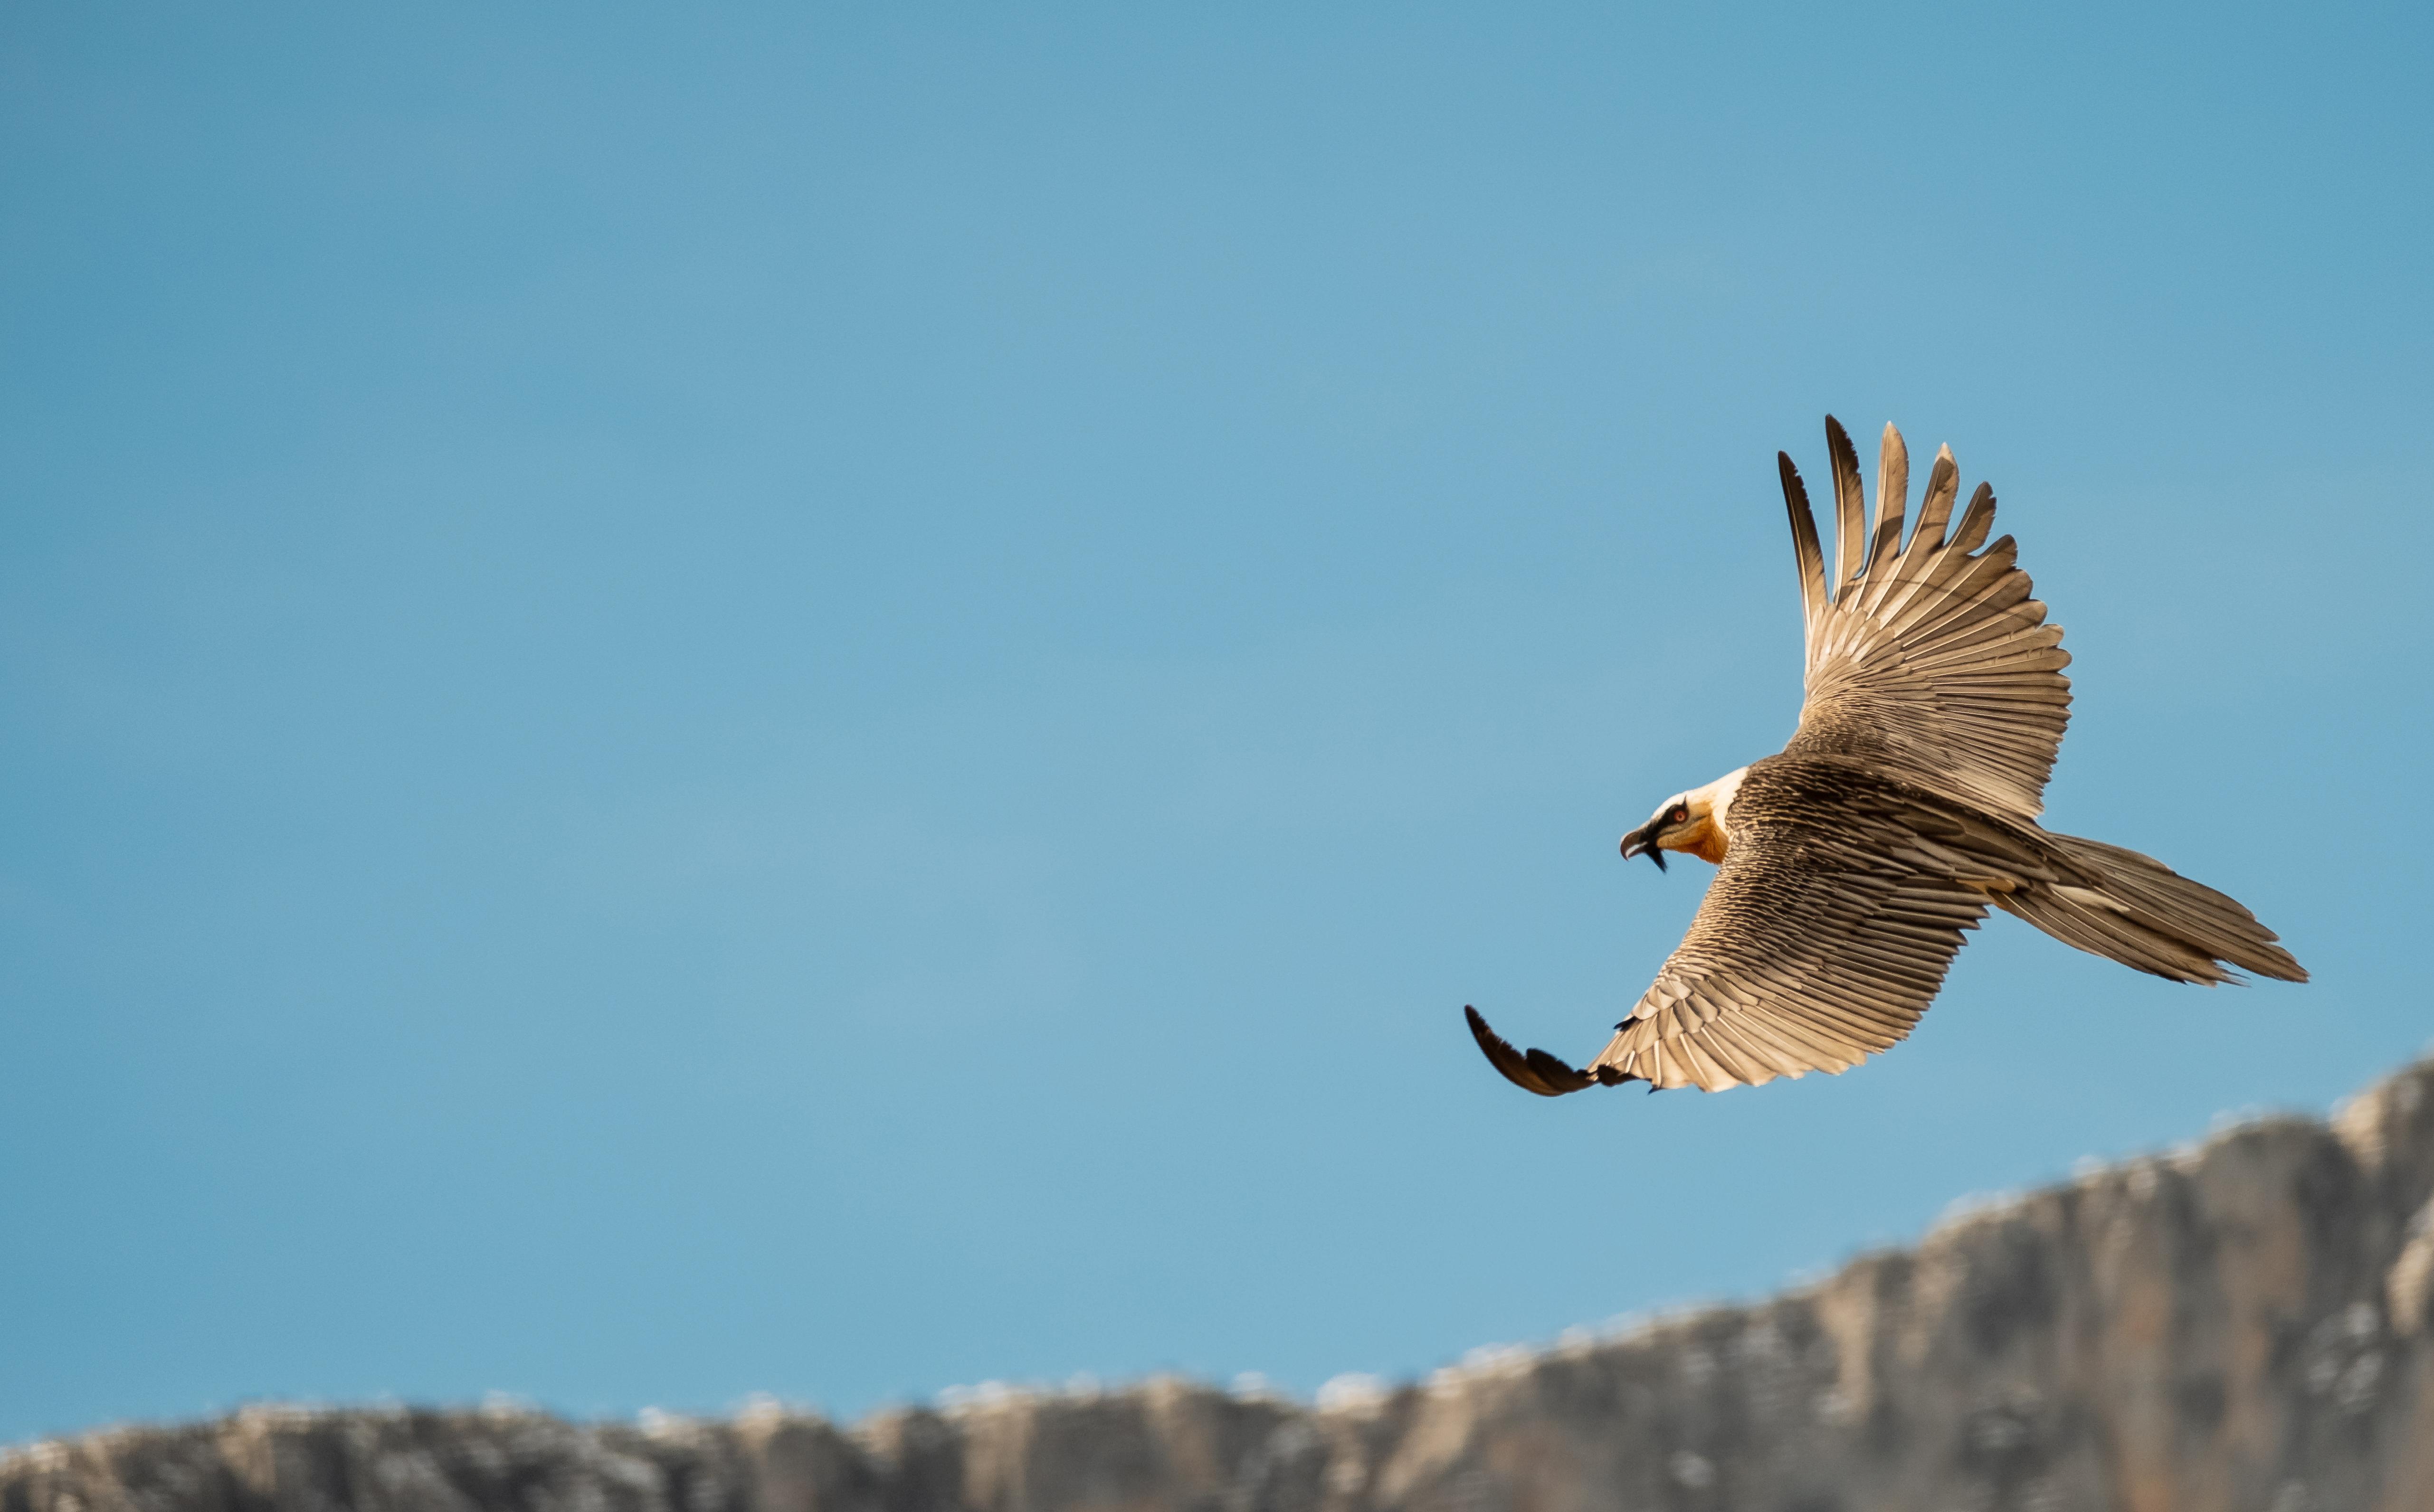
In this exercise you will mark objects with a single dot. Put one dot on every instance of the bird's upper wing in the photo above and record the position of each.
(1930, 660)
(1823, 939)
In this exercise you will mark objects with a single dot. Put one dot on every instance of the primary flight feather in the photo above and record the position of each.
(1904, 805)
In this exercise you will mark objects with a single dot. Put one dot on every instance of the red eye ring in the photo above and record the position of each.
(1681, 814)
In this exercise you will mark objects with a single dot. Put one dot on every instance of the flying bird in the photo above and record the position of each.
(1906, 804)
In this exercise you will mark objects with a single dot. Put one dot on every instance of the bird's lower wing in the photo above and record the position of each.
(1735, 1008)
(1825, 936)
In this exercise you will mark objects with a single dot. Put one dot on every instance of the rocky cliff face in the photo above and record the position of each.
(2248, 1324)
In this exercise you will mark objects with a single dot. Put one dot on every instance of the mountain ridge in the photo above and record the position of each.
(2239, 1322)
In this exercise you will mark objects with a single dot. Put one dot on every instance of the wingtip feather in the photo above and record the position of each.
(1536, 1072)
(1850, 509)
(1892, 498)
(1808, 556)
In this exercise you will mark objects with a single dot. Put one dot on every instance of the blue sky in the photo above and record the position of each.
(836, 704)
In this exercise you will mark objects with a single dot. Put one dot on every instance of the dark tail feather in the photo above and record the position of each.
(2145, 915)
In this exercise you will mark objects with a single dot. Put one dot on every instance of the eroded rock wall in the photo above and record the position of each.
(2245, 1325)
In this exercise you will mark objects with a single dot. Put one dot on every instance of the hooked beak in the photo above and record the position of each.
(1642, 841)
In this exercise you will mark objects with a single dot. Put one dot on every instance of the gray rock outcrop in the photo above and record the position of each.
(2248, 1324)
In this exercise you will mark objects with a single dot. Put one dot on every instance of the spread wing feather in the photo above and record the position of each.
(1929, 659)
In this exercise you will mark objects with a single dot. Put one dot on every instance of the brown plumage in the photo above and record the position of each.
(1904, 805)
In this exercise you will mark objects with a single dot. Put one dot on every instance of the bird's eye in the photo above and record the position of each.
(1681, 812)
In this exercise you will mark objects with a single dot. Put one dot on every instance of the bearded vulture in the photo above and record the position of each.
(1849, 865)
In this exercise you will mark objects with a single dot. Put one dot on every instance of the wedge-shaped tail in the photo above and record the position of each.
(2147, 916)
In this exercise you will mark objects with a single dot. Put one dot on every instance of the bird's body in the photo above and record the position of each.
(1904, 807)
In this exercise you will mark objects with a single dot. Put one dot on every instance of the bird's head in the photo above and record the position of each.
(1692, 821)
